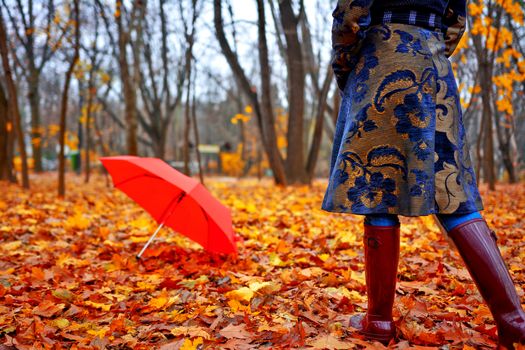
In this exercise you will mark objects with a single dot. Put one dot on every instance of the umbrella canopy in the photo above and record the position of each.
(175, 200)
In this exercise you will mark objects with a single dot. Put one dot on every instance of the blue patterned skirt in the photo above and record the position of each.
(400, 144)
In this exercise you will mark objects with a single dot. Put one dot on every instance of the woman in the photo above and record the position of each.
(400, 149)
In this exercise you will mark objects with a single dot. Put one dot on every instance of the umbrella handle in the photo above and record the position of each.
(150, 240)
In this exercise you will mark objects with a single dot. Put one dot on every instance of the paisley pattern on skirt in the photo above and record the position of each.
(400, 145)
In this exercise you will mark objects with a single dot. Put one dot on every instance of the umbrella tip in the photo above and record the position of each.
(137, 257)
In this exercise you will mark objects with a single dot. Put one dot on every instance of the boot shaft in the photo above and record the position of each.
(476, 244)
(381, 245)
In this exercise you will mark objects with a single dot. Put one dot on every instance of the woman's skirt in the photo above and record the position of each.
(400, 145)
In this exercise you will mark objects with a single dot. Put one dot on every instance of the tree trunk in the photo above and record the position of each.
(188, 74)
(80, 126)
(187, 126)
(89, 106)
(479, 158)
(196, 130)
(17, 122)
(63, 106)
(295, 166)
(6, 140)
(504, 142)
(129, 91)
(318, 129)
(34, 104)
(267, 119)
(488, 145)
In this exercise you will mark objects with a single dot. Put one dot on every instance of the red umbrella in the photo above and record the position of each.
(174, 200)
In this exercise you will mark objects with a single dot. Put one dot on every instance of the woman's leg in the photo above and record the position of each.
(476, 244)
(381, 245)
(449, 221)
(381, 220)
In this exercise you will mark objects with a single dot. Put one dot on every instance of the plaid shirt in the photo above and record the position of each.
(352, 18)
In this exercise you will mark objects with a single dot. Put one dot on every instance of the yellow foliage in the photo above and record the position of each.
(241, 294)
(191, 345)
(513, 8)
(104, 307)
(505, 105)
(36, 141)
(240, 117)
(232, 163)
(17, 161)
(282, 142)
(53, 130)
(163, 301)
(507, 55)
(475, 9)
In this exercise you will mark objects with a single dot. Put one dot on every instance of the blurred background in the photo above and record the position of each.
(239, 88)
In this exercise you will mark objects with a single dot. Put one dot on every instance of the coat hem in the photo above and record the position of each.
(402, 212)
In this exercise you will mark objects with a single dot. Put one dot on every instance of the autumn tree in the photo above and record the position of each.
(500, 69)
(6, 140)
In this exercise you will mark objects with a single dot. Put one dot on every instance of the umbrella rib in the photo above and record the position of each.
(174, 202)
(136, 177)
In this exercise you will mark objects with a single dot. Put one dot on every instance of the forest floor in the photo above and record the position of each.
(69, 277)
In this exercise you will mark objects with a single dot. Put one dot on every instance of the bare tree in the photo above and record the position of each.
(34, 60)
(159, 97)
(94, 63)
(263, 109)
(13, 102)
(65, 96)
(196, 129)
(130, 97)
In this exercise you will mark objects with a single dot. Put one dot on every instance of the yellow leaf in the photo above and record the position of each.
(7, 271)
(61, 323)
(104, 307)
(324, 256)
(78, 221)
(243, 293)
(138, 239)
(236, 306)
(275, 260)
(265, 287)
(163, 301)
(98, 333)
(191, 345)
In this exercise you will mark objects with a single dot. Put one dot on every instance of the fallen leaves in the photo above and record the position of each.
(69, 277)
(48, 308)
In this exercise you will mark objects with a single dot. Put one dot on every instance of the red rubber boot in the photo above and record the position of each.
(476, 244)
(381, 259)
